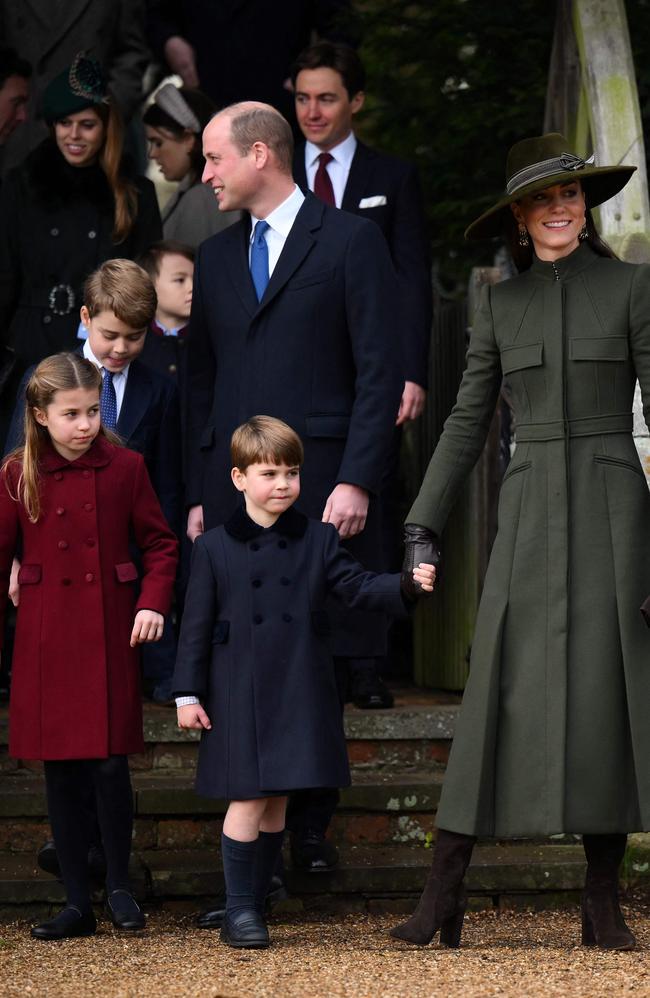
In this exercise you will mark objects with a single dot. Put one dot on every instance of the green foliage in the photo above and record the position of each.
(451, 85)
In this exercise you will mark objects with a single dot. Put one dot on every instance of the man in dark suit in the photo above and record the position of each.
(329, 84)
(294, 316)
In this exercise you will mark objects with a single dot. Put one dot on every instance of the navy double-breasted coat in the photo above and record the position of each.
(253, 647)
(75, 691)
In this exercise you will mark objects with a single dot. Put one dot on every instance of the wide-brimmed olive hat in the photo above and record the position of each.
(537, 163)
(81, 85)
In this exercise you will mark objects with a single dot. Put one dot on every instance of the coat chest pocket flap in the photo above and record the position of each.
(29, 575)
(599, 348)
(306, 281)
(126, 572)
(519, 357)
(220, 632)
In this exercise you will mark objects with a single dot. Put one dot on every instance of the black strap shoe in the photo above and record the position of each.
(68, 924)
(213, 918)
(245, 929)
(124, 911)
(368, 692)
(311, 851)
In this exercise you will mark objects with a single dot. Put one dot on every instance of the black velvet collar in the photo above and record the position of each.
(242, 528)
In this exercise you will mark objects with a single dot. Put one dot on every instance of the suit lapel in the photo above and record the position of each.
(299, 172)
(360, 172)
(298, 244)
(236, 263)
(136, 401)
(61, 27)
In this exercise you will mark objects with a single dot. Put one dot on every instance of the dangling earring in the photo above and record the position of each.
(582, 235)
(524, 239)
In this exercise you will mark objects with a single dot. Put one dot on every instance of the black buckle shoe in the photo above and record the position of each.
(369, 692)
(68, 924)
(313, 853)
(245, 929)
(213, 918)
(124, 911)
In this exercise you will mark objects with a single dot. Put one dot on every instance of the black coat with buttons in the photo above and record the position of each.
(56, 227)
(253, 647)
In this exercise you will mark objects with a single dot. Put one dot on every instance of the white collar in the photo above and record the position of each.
(282, 218)
(343, 153)
(89, 355)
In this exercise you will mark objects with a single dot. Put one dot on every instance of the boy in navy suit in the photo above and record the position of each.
(254, 647)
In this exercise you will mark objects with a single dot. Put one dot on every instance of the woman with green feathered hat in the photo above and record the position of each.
(554, 731)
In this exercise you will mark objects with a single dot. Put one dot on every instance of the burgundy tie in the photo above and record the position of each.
(322, 184)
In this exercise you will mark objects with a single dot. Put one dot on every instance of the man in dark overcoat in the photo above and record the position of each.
(314, 342)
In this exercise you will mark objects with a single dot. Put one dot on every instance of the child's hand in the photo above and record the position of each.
(192, 715)
(14, 588)
(147, 626)
(425, 575)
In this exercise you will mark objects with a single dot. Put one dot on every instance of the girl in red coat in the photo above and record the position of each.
(73, 500)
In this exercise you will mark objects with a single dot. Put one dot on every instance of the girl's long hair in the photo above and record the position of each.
(110, 160)
(61, 372)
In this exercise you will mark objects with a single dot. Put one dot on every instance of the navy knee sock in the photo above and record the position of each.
(269, 847)
(238, 860)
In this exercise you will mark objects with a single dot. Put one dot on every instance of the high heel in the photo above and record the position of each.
(443, 901)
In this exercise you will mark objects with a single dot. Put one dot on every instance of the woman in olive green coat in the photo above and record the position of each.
(554, 733)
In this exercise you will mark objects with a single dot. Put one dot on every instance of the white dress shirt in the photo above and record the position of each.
(338, 168)
(119, 377)
(280, 221)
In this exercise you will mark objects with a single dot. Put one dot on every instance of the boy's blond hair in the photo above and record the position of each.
(264, 439)
(124, 288)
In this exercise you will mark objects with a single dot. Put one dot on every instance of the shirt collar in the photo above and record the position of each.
(282, 218)
(343, 153)
(89, 355)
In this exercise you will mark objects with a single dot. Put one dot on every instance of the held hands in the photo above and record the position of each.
(347, 508)
(192, 715)
(421, 554)
(147, 626)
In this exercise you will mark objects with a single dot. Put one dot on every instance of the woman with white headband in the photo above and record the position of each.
(174, 126)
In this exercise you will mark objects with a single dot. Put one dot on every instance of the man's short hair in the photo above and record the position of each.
(124, 288)
(11, 64)
(261, 124)
(265, 440)
(333, 55)
(150, 259)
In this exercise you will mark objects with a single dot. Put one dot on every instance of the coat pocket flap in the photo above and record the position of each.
(319, 277)
(328, 425)
(126, 572)
(220, 632)
(320, 621)
(29, 574)
(517, 358)
(207, 438)
(599, 348)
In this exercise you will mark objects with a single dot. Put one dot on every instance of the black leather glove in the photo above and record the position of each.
(421, 545)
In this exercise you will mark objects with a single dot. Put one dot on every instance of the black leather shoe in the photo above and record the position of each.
(68, 924)
(368, 692)
(124, 911)
(48, 861)
(313, 853)
(213, 918)
(245, 929)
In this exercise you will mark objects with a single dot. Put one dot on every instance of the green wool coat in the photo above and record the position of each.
(554, 732)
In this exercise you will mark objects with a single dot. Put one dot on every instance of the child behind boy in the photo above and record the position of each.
(170, 266)
(253, 646)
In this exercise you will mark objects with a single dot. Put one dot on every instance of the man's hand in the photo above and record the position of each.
(14, 588)
(182, 60)
(347, 509)
(194, 522)
(412, 403)
(192, 715)
(147, 626)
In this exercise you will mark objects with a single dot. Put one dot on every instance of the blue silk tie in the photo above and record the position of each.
(260, 259)
(108, 402)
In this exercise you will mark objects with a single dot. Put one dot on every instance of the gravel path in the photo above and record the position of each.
(515, 954)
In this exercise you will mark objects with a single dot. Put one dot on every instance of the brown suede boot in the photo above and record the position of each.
(602, 919)
(443, 901)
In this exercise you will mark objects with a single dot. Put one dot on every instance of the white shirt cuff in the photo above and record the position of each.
(186, 701)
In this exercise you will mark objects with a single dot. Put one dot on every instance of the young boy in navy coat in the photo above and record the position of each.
(253, 649)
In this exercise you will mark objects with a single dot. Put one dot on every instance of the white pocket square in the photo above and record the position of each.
(373, 202)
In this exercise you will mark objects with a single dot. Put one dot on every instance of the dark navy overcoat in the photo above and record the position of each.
(253, 647)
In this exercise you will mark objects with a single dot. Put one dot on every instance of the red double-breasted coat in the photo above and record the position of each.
(75, 691)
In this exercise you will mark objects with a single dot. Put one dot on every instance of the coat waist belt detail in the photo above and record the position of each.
(588, 426)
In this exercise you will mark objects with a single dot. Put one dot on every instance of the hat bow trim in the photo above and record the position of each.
(547, 168)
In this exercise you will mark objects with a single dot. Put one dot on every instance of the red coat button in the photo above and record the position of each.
(66, 582)
(89, 577)
(85, 474)
(60, 510)
(88, 506)
(62, 545)
(58, 475)
(91, 542)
